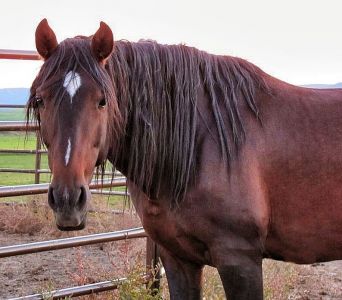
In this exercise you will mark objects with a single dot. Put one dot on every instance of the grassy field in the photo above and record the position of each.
(7, 114)
(14, 140)
(19, 161)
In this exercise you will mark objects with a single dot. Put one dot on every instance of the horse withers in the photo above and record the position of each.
(225, 164)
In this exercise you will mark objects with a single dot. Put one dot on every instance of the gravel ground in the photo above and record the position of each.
(318, 281)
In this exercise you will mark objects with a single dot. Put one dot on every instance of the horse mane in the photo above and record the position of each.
(153, 92)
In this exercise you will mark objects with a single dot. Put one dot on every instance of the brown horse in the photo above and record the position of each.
(226, 165)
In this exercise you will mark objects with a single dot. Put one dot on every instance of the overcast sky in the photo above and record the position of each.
(299, 41)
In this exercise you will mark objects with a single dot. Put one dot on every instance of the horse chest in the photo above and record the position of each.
(170, 229)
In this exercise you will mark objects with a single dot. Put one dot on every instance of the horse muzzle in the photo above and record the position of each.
(81, 225)
(69, 206)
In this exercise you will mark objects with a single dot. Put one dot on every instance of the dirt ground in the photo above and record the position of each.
(46, 271)
(318, 281)
(35, 273)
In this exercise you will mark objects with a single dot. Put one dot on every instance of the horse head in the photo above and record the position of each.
(73, 100)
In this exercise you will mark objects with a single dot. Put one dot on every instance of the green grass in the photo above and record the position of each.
(9, 114)
(14, 140)
(19, 161)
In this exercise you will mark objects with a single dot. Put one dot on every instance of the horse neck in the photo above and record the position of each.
(154, 151)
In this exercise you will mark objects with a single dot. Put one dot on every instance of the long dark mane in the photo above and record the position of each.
(152, 90)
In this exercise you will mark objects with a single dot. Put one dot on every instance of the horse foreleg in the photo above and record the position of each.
(184, 278)
(242, 278)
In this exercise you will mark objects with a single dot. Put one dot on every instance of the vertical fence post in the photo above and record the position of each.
(152, 260)
(38, 160)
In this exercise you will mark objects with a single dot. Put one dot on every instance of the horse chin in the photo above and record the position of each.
(69, 228)
(81, 226)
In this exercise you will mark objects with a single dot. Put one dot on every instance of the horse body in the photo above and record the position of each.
(303, 165)
(260, 175)
(275, 201)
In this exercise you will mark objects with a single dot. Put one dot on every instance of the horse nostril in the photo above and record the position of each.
(83, 198)
(51, 198)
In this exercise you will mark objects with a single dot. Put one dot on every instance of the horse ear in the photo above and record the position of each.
(102, 42)
(46, 41)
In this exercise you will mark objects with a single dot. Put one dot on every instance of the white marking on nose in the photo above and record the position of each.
(72, 82)
(67, 153)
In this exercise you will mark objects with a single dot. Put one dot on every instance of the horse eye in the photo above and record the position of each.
(102, 103)
(39, 101)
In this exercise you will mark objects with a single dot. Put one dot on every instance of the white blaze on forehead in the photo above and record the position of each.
(72, 83)
(67, 152)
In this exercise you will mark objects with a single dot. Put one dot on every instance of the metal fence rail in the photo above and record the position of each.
(19, 54)
(76, 291)
(17, 126)
(12, 106)
(115, 193)
(45, 171)
(25, 171)
(76, 242)
(42, 188)
(22, 151)
(72, 242)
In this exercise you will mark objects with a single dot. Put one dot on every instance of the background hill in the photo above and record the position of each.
(20, 95)
(324, 86)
